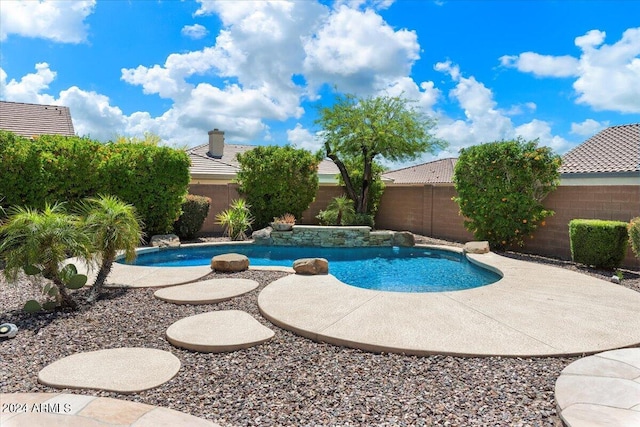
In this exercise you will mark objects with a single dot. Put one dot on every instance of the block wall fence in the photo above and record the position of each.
(428, 210)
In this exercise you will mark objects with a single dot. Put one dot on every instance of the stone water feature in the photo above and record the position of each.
(332, 236)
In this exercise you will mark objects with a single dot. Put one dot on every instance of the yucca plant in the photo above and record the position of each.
(236, 220)
(38, 242)
(113, 226)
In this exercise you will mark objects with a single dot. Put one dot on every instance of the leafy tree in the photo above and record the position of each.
(358, 130)
(277, 180)
(38, 242)
(113, 226)
(500, 187)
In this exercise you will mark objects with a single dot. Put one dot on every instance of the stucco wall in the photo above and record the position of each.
(223, 194)
(429, 210)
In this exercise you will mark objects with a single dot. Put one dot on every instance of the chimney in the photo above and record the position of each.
(216, 143)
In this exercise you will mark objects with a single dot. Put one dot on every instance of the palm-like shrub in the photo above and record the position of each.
(340, 211)
(112, 226)
(38, 242)
(236, 220)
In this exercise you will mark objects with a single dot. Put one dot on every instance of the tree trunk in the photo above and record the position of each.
(351, 192)
(96, 290)
(366, 184)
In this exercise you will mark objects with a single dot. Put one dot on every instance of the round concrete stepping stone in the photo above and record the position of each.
(124, 370)
(218, 331)
(603, 389)
(206, 291)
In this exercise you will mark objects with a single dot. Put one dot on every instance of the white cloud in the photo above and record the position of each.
(373, 4)
(484, 121)
(60, 21)
(425, 95)
(538, 129)
(30, 86)
(300, 137)
(358, 52)
(542, 65)
(610, 74)
(588, 127)
(607, 76)
(195, 31)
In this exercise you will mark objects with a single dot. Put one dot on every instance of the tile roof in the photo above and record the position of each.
(35, 119)
(227, 165)
(613, 150)
(436, 172)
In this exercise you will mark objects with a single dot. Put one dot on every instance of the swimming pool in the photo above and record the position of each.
(396, 269)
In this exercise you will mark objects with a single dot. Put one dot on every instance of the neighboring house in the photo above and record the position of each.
(435, 172)
(610, 157)
(30, 120)
(216, 162)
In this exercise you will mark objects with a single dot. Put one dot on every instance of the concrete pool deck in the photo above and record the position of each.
(534, 310)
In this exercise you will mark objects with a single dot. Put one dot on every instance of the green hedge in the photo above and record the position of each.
(53, 168)
(194, 211)
(599, 243)
(634, 235)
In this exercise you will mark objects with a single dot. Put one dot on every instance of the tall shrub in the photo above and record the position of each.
(153, 179)
(277, 180)
(194, 211)
(53, 168)
(500, 188)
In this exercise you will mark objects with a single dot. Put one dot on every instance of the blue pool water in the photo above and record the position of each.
(396, 269)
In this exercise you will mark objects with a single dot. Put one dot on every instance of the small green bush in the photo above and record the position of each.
(194, 211)
(362, 219)
(599, 243)
(634, 235)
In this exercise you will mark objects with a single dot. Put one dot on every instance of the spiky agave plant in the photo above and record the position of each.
(38, 242)
(113, 226)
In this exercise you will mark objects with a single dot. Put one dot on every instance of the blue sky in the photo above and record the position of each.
(559, 70)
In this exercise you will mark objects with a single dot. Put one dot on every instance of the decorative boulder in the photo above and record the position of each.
(165, 241)
(311, 266)
(403, 238)
(230, 263)
(481, 247)
(262, 237)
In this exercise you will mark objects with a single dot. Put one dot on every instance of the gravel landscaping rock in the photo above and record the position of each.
(289, 380)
